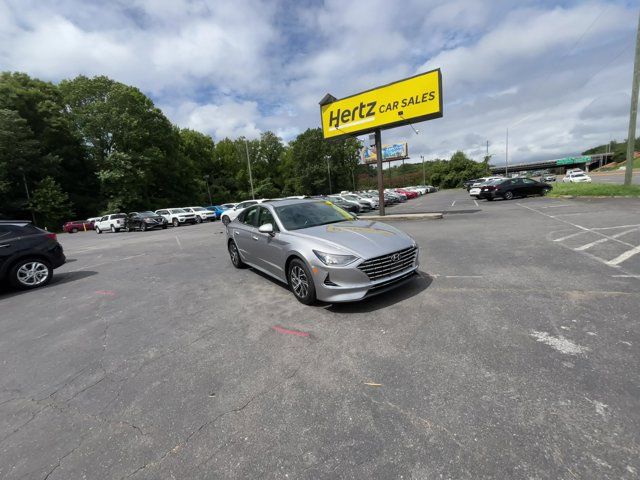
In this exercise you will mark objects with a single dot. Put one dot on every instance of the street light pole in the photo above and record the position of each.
(329, 172)
(506, 157)
(633, 114)
(246, 146)
(424, 178)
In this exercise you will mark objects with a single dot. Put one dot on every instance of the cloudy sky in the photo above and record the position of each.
(557, 74)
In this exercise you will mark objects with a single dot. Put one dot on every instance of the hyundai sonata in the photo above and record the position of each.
(321, 251)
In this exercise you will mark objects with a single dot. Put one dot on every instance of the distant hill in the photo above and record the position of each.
(619, 150)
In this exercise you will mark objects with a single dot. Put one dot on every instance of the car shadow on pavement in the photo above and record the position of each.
(6, 291)
(411, 288)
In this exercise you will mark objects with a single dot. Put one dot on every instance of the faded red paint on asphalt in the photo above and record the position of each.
(286, 331)
(110, 293)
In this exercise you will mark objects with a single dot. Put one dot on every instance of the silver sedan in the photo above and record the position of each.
(321, 251)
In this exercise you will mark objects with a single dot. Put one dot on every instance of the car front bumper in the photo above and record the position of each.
(350, 284)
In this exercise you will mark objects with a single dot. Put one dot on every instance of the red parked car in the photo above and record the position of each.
(408, 193)
(77, 225)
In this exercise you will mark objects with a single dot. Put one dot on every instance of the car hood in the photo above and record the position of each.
(360, 237)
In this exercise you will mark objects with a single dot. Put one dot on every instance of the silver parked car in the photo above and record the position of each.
(321, 251)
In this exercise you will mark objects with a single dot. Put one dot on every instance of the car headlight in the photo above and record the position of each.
(333, 259)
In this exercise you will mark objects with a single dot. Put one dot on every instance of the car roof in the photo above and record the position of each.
(292, 201)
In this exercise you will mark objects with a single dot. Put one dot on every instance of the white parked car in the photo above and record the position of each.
(113, 222)
(482, 180)
(177, 216)
(576, 177)
(365, 202)
(230, 215)
(202, 214)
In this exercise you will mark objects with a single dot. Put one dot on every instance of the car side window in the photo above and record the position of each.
(526, 180)
(250, 216)
(267, 217)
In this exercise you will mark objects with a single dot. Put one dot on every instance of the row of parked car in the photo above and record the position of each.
(354, 202)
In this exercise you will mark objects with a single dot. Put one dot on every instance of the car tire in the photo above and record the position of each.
(29, 273)
(489, 199)
(226, 220)
(113, 229)
(164, 227)
(234, 254)
(198, 219)
(143, 227)
(301, 282)
(74, 230)
(508, 195)
(545, 191)
(175, 222)
(98, 231)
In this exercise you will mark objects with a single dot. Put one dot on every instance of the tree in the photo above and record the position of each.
(51, 204)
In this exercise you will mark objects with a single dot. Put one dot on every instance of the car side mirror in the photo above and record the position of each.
(266, 228)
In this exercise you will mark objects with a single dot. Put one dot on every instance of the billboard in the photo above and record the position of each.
(411, 100)
(395, 151)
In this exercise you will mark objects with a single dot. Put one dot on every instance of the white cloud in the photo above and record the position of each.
(230, 68)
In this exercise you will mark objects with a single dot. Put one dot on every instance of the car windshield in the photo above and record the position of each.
(578, 174)
(197, 209)
(177, 210)
(147, 214)
(310, 214)
(119, 215)
(228, 205)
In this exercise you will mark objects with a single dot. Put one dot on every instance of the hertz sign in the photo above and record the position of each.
(411, 100)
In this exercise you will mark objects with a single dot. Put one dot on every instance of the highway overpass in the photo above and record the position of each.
(559, 165)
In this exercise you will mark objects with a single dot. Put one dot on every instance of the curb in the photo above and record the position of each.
(593, 196)
(404, 216)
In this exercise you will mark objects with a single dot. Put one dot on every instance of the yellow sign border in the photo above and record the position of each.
(399, 123)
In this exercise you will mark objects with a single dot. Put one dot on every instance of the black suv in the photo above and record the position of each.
(28, 254)
(145, 221)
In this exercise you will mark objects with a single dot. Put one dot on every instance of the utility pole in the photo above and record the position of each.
(378, 140)
(506, 157)
(424, 178)
(206, 178)
(328, 158)
(633, 113)
(246, 146)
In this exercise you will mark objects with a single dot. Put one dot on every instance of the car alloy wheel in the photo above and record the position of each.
(30, 273)
(226, 220)
(301, 282)
(545, 191)
(98, 231)
(508, 195)
(74, 230)
(198, 219)
(143, 227)
(235, 255)
(113, 229)
(175, 222)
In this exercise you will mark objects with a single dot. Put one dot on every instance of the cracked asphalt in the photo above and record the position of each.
(515, 354)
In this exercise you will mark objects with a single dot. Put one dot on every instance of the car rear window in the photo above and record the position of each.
(119, 215)
(15, 230)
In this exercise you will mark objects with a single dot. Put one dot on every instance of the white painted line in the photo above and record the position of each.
(556, 206)
(625, 276)
(613, 228)
(625, 256)
(114, 261)
(576, 225)
(178, 242)
(476, 202)
(453, 203)
(562, 239)
(602, 240)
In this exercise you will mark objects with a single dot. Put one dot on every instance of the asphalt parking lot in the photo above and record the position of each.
(515, 354)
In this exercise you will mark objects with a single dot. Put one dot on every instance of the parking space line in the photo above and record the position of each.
(625, 256)
(113, 261)
(178, 241)
(613, 228)
(577, 226)
(562, 239)
(602, 240)
(476, 202)
(453, 203)
(625, 276)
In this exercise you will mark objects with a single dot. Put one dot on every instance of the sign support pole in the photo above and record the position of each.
(379, 161)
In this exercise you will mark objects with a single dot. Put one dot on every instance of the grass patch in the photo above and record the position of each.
(610, 167)
(595, 190)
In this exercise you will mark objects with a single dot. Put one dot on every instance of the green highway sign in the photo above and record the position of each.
(573, 160)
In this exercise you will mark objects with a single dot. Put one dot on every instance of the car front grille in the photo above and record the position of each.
(390, 264)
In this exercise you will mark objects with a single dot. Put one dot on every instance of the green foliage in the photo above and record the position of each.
(51, 204)
(595, 190)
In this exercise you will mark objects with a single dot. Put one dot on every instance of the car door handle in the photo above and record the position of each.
(255, 237)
